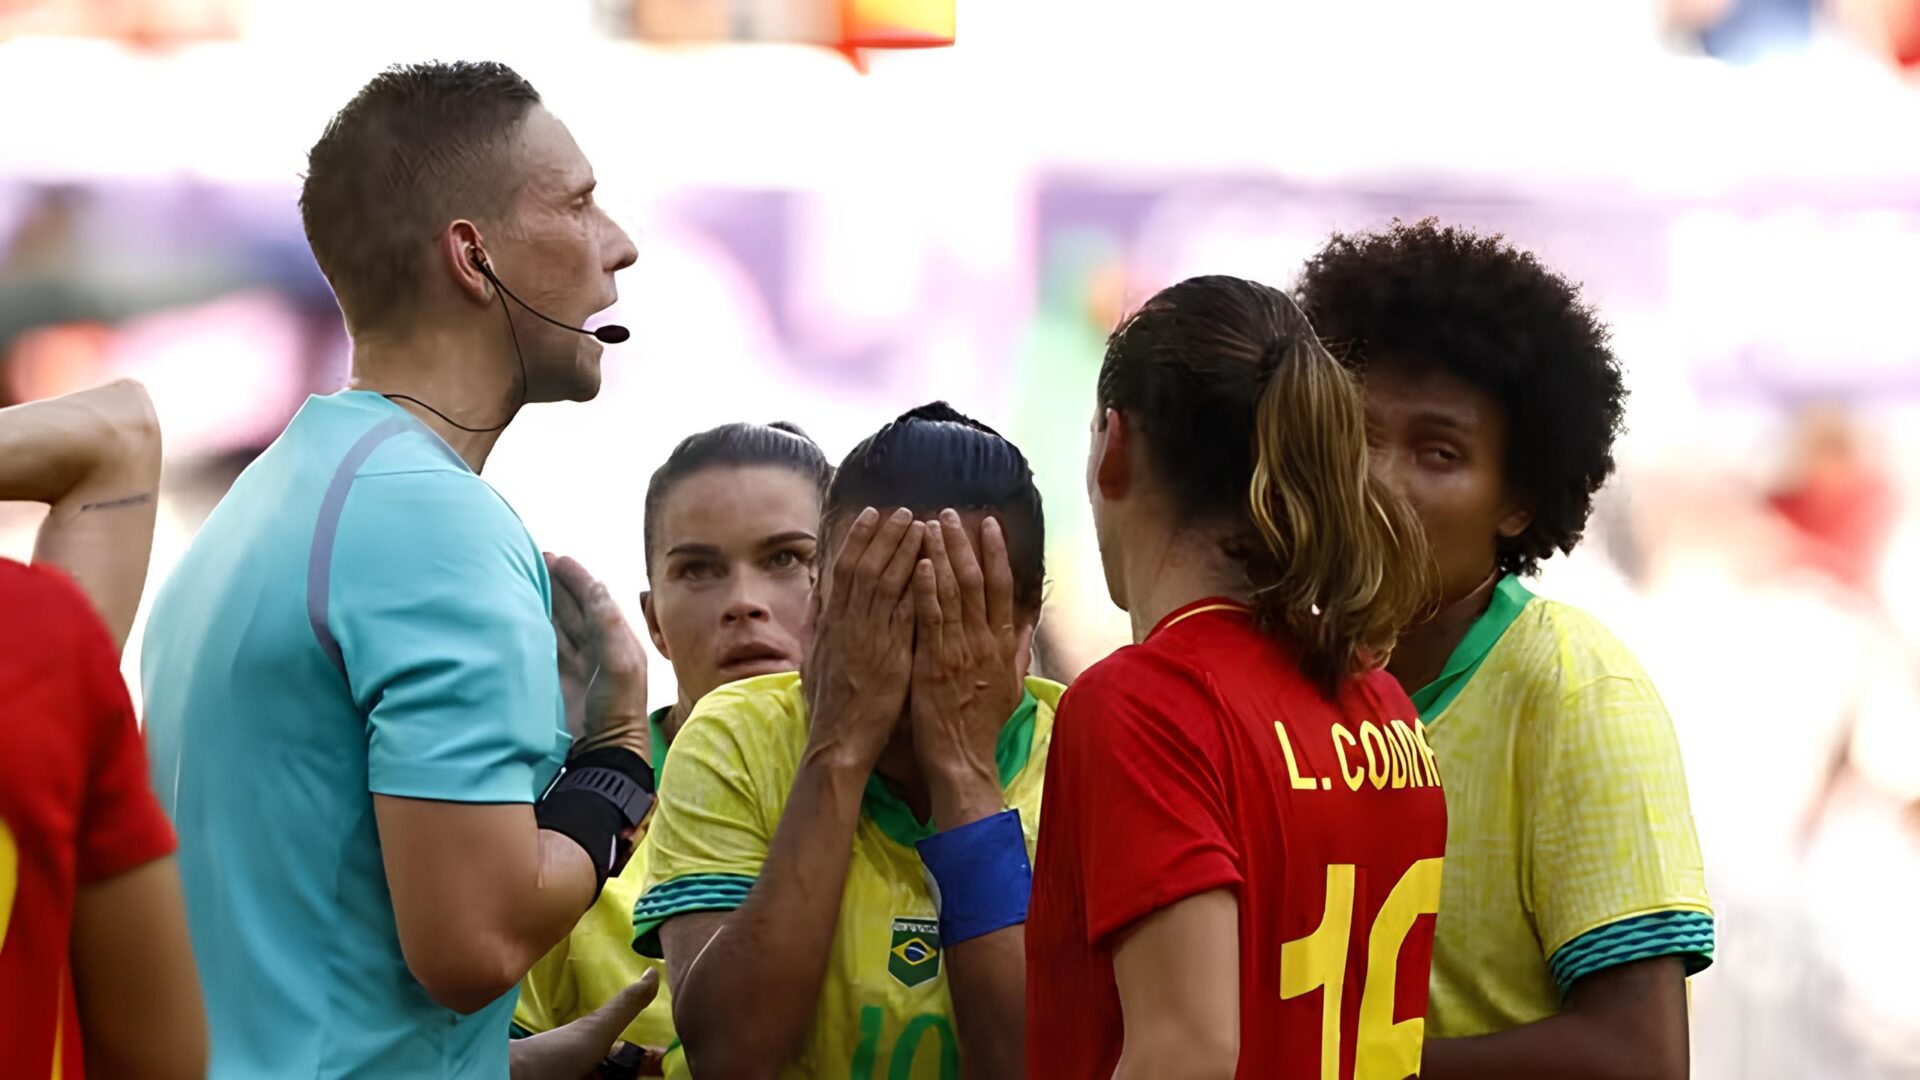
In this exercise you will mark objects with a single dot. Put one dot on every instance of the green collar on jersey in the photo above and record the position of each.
(896, 819)
(1509, 597)
(657, 740)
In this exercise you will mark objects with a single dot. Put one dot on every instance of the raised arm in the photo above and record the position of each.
(94, 457)
(966, 683)
(745, 982)
(134, 980)
(482, 891)
(434, 607)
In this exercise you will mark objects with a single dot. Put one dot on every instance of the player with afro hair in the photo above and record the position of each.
(1573, 904)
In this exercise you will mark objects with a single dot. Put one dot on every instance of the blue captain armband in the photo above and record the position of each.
(979, 875)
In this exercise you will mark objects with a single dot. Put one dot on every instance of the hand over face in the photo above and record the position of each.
(966, 680)
(603, 669)
(856, 674)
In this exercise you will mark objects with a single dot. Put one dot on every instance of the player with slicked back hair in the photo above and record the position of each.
(1244, 828)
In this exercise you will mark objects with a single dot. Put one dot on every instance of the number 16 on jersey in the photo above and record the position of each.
(1383, 1049)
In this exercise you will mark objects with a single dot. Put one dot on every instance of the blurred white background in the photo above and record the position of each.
(1736, 181)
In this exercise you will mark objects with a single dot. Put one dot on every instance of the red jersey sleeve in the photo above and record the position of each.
(121, 823)
(1148, 801)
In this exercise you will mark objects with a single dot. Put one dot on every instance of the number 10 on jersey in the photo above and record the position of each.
(1383, 1050)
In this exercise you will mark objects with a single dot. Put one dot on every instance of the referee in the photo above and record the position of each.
(354, 690)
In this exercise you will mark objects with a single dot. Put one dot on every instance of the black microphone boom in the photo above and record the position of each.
(611, 334)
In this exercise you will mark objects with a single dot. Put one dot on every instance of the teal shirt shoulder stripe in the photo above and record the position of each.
(359, 541)
(1686, 934)
(1510, 597)
(684, 896)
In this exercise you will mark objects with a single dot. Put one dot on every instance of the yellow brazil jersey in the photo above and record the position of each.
(1570, 841)
(595, 960)
(883, 1012)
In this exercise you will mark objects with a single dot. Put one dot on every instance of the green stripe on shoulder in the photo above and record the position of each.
(682, 896)
(896, 820)
(1686, 934)
(1510, 597)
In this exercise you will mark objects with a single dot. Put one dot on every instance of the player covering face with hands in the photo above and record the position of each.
(838, 867)
(732, 525)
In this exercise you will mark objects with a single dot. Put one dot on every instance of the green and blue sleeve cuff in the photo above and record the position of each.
(1685, 934)
(684, 896)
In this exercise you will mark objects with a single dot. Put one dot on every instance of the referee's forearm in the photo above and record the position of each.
(744, 1005)
(566, 888)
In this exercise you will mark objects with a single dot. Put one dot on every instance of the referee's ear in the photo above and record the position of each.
(653, 625)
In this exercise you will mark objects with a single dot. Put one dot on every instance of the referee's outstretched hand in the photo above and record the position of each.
(603, 670)
(855, 677)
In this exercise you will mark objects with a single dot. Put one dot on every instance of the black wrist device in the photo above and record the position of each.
(597, 800)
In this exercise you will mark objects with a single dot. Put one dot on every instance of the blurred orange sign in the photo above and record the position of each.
(847, 26)
(139, 22)
(898, 24)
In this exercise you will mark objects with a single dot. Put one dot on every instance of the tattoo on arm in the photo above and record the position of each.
(116, 504)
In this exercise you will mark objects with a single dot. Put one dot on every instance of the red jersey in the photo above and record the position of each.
(75, 806)
(1203, 759)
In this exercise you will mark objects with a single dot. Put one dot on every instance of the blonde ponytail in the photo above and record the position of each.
(1345, 566)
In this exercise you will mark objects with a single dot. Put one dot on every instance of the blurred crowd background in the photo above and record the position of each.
(830, 237)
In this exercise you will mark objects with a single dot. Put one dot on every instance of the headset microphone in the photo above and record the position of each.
(611, 334)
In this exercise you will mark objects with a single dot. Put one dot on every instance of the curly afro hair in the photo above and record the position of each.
(1497, 319)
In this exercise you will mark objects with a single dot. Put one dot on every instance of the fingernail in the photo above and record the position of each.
(950, 516)
(902, 514)
(867, 516)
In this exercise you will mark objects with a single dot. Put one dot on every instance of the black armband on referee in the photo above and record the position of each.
(596, 801)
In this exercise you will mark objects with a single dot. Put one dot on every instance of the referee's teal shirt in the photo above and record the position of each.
(361, 615)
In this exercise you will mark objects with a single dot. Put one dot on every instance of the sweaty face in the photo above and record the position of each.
(1442, 443)
(558, 251)
(731, 573)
